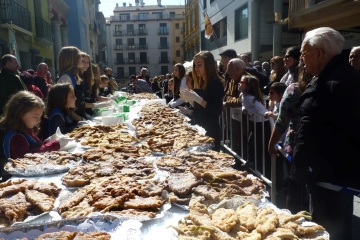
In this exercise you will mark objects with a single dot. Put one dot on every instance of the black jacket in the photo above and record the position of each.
(41, 83)
(264, 80)
(328, 136)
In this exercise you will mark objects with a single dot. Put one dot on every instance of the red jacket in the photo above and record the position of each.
(34, 89)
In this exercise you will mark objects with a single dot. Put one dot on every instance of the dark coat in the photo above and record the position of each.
(328, 136)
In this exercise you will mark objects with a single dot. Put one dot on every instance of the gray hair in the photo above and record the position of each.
(237, 62)
(143, 69)
(41, 64)
(329, 40)
(265, 64)
(355, 49)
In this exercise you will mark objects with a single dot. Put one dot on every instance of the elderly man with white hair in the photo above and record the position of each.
(354, 58)
(235, 69)
(328, 136)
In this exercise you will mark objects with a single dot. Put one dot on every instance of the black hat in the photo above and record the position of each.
(231, 53)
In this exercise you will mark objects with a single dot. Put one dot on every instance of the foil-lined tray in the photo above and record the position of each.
(117, 228)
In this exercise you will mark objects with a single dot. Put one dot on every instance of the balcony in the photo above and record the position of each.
(129, 33)
(10, 11)
(144, 60)
(163, 45)
(147, 17)
(121, 75)
(119, 60)
(130, 46)
(163, 31)
(182, 30)
(164, 60)
(141, 32)
(43, 33)
(310, 14)
(118, 47)
(132, 60)
(118, 33)
(141, 46)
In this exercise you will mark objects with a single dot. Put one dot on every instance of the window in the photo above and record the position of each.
(159, 15)
(130, 29)
(132, 71)
(220, 28)
(163, 42)
(131, 57)
(172, 15)
(142, 29)
(143, 57)
(119, 58)
(125, 17)
(163, 28)
(142, 43)
(177, 53)
(118, 43)
(177, 26)
(204, 4)
(143, 16)
(164, 56)
(120, 72)
(118, 30)
(130, 43)
(241, 22)
(177, 39)
(103, 56)
(211, 1)
(164, 70)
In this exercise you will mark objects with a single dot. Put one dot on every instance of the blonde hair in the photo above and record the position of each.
(210, 66)
(68, 61)
(281, 69)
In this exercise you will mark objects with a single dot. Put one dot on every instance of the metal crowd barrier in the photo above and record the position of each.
(228, 144)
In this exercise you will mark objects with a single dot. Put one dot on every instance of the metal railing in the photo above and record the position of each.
(163, 31)
(118, 47)
(260, 166)
(131, 60)
(129, 33)
(299, 5)
(10, 11)
(141, 46)
(163, 45)
(121, 75)
(119, 61)
(146, 17)
(118, 32)
(43, 29)
(164, 59)
(130, 46)
(144, 60)
(141, 32)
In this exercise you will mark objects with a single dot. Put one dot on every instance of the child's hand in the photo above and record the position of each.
(268, 114)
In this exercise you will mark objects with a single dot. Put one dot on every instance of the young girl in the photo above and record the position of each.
(169, 96)
(97, 84)
(61, 100)
(19, 125)
(70, 63)
(253, 103)
(189, 80)
(179, 77)
(207, 97)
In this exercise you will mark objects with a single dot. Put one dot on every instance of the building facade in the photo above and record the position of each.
(192, 28)
(244, 25)
(59, 26)
(145, 36)
(30, 19)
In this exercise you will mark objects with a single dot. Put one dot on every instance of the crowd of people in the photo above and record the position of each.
(312, 94)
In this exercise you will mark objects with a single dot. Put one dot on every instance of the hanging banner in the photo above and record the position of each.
(13, 46)
(208, 27)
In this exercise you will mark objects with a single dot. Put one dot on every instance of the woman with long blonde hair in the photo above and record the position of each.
(278, 68)
(207, 96)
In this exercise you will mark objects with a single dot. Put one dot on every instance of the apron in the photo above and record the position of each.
(54, 112)
(31, 141)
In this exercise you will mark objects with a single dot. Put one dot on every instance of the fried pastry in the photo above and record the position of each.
(144, 203)
(182, 183)
(14, 207)
(41, 200)
(62, 235)
(224, 219)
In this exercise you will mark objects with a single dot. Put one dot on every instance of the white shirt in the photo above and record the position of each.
(253, 107)
(65, 78)
(183, 83)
